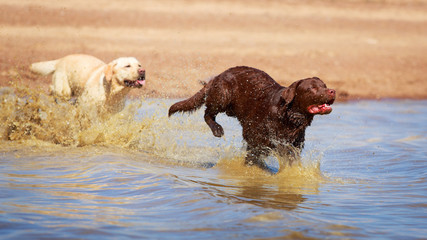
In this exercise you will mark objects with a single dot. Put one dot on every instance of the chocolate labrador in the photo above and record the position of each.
(272, 116)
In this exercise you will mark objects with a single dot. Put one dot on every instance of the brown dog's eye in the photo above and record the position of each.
(312, 89)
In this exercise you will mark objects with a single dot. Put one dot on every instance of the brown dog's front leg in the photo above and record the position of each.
(254, 158)
(217, 130)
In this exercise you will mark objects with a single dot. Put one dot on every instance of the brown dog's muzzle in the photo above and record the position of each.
(324, 108)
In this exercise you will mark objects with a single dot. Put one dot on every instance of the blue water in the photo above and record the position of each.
(363, 176)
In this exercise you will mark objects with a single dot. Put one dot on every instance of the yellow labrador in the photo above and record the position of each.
(91, 80)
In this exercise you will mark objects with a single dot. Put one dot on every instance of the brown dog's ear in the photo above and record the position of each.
(289, 94)
(109, 71)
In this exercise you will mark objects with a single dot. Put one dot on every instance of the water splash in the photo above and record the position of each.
(31, 117)
(303, 176)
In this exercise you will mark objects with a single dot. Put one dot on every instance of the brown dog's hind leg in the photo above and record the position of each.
(217, 129)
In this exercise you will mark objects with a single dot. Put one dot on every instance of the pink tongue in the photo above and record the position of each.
(142, 82)
(319, 109)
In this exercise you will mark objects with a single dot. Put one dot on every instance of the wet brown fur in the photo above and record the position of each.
(272, 116)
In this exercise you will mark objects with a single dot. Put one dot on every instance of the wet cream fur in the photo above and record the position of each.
(90, 79)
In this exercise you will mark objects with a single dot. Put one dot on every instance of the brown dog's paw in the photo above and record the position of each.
(218, 131)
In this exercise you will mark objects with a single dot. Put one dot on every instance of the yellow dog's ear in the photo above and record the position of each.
(109, 71)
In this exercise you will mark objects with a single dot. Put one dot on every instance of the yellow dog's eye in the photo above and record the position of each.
(127, 66)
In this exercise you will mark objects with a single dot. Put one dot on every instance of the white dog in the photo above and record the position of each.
(91, 80)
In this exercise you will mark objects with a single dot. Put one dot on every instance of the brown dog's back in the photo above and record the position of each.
(233, 89)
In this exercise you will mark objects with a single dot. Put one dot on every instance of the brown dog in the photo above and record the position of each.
(272, 116)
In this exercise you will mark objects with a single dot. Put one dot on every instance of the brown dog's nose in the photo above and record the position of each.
(331, 92)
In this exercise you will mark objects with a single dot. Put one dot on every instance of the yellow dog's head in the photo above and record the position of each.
(126, 72)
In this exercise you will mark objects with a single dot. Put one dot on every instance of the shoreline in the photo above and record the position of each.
(29, 79)
(362, 49)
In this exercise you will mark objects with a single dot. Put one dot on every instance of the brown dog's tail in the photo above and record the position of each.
(191, 104)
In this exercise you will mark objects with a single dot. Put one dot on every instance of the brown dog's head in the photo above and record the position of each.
(126, 72)
(310, 96)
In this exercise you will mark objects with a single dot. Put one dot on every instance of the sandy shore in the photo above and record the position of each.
(363, 49)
